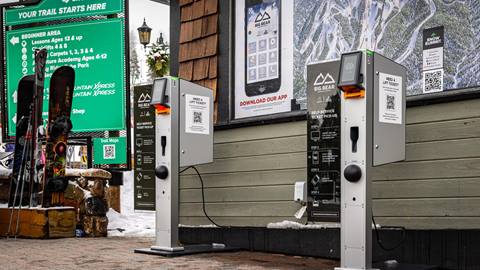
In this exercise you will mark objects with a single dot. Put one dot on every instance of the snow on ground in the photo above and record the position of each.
(295, 225)
(197, 226)
(131, 225)
(126, 194)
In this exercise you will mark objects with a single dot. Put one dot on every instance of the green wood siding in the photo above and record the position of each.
(251, 180)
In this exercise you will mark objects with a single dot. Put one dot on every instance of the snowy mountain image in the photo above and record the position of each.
(324, 29)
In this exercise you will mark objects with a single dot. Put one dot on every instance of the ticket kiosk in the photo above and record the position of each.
(373, 133)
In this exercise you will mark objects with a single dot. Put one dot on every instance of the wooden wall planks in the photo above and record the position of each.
(437, 187)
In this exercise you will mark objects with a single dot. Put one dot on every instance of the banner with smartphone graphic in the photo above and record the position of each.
(263, 57)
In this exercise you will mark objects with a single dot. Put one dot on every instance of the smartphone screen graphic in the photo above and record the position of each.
(262, 47)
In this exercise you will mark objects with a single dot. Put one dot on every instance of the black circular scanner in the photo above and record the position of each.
(161, 172)
(352, 173)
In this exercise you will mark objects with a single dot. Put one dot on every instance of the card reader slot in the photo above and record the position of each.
(354, 137)
(163, 143)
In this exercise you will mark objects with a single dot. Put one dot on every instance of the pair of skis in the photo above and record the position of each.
(29, 121)
(29, 109)
(30, 167)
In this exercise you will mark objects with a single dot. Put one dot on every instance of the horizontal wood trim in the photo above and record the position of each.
(431, 223)
(414, 115)
(261, 132)
(260, 147)
(428, 169)
(239, 194)
(444, 111)
(447, 130)
(272, 177)
(432, 188)
(257, 163)
(422, 132)
(451, 149)
(241, 209)
(429, 207)
(414, 223)
(237, 221)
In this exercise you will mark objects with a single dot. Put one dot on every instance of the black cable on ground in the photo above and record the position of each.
(379, 241)
(203, 195)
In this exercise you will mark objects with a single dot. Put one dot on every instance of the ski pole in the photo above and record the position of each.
(21, 195)
(18, 180)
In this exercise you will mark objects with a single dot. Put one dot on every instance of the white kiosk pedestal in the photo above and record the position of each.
(184, 137)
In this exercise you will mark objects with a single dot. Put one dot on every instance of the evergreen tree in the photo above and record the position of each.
(134, 62)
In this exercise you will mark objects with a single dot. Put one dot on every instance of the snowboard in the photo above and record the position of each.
(22, 140)
(37, 163)
(59, 125)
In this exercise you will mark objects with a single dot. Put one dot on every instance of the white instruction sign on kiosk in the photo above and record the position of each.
(390, 99)
(197, 114)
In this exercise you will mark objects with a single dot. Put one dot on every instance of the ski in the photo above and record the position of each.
(36, 163)
(22, 146)
(59, 125)
(24, 108)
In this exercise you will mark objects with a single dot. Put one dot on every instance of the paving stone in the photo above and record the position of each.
(117, 253)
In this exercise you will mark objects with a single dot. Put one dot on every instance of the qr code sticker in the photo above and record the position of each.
(390, 102)
(109, 151)
(433, 81)
(197, 117)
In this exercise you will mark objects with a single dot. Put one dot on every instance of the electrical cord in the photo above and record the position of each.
(184, 169)
(203, 198)
(379, 241)
(203, 195)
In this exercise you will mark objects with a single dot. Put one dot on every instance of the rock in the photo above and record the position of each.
(98, 188)
(96, 206)
(95, 226)
(82, 182)
(87, 192)
(112, 194)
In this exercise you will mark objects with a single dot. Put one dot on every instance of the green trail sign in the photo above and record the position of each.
(94, 49)
(48, 10)
(109, 151)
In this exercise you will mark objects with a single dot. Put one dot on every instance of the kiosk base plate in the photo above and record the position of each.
(403, 266)
(188, 250)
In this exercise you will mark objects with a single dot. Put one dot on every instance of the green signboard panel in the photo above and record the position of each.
(109, 151)
(96, 51)
(48, 10)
